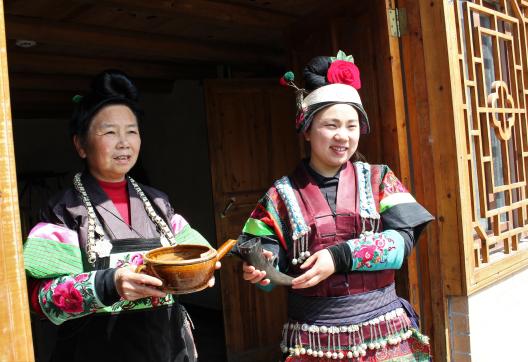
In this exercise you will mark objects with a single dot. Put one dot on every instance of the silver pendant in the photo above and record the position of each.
(99, 230)
(164, 241)
(103, 247)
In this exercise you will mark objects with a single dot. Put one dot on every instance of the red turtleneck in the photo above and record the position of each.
(118, 193)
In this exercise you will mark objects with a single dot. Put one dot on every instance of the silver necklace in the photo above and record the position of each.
(102, 247)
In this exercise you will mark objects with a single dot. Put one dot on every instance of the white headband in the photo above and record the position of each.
(332, 93)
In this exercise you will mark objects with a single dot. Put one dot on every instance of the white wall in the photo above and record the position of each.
(491, 325)
(498, 320)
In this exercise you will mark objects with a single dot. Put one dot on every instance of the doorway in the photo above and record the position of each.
(174, 50)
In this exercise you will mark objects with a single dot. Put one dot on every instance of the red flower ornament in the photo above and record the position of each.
(344, 72)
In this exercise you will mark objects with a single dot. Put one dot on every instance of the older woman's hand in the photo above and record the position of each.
(211, 281)
(131, 285)
(253, 275)
(322, 266)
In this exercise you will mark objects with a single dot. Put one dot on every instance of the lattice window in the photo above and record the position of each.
(493, 58)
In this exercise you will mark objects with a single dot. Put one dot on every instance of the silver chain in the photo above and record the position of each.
(164, 229)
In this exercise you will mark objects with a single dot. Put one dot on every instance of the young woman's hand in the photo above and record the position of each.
(253, 275)
(322, 266)
(131, 285)
(211, 281)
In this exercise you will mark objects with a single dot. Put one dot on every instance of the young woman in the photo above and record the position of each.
(341, 228)
(82, 256)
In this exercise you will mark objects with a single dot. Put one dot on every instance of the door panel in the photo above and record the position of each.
(252, 141)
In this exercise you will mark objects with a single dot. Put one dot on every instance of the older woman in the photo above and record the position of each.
(81, 257)
(341, 228)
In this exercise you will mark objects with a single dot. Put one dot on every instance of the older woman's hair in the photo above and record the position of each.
(108, 87)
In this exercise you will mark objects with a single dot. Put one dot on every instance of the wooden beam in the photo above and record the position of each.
(228, 14)
(76, 84)
(36, 63)
(138, 44)
(16, 343)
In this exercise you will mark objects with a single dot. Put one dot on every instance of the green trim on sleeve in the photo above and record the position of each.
(257, 228)
(188, 235)
(44, 258)
(396, 199)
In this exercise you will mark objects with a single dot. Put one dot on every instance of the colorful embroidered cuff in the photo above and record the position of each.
(379, 251)
(69, 297)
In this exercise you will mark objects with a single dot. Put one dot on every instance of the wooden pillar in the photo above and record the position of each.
(15, 343)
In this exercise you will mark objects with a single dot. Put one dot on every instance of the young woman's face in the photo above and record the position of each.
(112, 143)
(333, 136)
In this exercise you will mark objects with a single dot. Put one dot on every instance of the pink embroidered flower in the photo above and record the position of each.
(120, 263)
(344, 72)
(136, 259)
(366, 253)
(380, 243)
(67, 298)
(81, 278)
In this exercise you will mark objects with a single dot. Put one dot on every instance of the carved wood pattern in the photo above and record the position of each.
(493, 60)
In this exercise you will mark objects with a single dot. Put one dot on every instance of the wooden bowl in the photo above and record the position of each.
(184, 268)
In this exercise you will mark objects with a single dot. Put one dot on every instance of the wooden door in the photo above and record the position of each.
(252, 142)
(15, 343)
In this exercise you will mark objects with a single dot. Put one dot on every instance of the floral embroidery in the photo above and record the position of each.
(391, 184)
(136, 259)
(152, 302)
(69, 297)
(81, 277)
(129, 259)
(377, 251)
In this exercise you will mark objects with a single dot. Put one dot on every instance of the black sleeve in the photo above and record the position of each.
(105, 286)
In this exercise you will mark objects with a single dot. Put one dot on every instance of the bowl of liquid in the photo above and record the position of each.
(184, 268)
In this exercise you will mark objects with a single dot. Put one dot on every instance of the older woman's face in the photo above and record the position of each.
(333, 136)
(112, 143)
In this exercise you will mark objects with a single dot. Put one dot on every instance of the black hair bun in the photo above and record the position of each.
(113, 83)
(108, 87)
(315, 73)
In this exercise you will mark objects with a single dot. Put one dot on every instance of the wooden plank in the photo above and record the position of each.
(488, 275)
(447, 254)
(139, 44)
(75, 84)
(431, 294)
(16, 343)
(247, 127)
(52, 9)
(37, 63)
(225, 13)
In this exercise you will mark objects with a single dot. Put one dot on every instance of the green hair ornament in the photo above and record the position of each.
(77, 98)
(342, 56)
